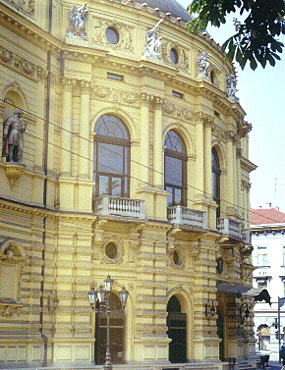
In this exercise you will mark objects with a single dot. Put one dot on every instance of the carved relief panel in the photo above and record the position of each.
(114, 34)
(25, 6)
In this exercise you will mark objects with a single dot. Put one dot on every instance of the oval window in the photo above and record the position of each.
(174, 56)
(112, 35)
(111, 251)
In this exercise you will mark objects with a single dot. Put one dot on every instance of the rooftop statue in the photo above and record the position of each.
(231, 88)
(12, 146)
(152, 42)
(203, 65)
(77, 20)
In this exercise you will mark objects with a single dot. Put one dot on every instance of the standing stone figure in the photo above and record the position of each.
(203, 65)
(13, 130)
(152, 42)
(231, 88)
(77, 20)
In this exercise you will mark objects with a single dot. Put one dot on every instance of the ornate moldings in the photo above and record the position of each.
(118, 95)
(178, 111)
(27, 7)
(13, 172)
(218, 131)
(125, 34)
(8, 307)
(183, 60)
(21, 64)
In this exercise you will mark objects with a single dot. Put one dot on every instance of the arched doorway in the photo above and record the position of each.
(176, 323)
(116, 333)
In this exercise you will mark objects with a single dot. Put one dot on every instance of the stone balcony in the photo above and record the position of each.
(107, 205)
(230, 228)
(184, 216)
(246, 236)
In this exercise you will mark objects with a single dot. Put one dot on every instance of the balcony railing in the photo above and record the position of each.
(246, 236)
(186, 216)
(107, 205)
(230, 228)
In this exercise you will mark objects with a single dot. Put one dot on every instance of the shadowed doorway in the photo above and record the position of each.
(116, 333)
(176, 323)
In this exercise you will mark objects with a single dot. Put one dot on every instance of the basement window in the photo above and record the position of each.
(113, 76)
(177, 94)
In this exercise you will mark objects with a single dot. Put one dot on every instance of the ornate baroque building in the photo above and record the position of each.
(124, 152)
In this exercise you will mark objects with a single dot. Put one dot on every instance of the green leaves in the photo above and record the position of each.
(256, 40)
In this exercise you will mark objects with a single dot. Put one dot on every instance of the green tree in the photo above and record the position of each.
(256, 38)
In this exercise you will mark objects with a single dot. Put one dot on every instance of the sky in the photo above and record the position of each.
(262, 96)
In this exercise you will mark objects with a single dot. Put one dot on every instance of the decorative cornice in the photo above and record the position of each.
(21, 65)
(247, 165)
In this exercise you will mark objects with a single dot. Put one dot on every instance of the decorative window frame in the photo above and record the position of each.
(12, 253)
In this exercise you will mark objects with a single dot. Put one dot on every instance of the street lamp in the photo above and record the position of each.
(104, 306)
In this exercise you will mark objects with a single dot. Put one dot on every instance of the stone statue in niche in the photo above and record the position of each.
(12, 147)
(203, 65)
(77, 20)
(231, 88)
(152, 42)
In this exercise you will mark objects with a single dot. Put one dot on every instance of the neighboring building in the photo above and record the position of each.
(268, 240)
(135, 163)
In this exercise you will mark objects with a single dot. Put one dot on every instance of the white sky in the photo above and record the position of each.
(262, 95)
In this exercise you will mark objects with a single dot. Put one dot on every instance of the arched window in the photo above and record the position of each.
(111, 157)
(216, 181)
(175, 160)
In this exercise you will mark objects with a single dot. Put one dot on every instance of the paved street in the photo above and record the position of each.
(272, 365)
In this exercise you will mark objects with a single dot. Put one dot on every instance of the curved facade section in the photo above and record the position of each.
(117, 108)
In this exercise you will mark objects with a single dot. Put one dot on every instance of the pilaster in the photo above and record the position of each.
(84, 129)
(157, 143)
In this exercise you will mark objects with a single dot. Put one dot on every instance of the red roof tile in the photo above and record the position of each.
(266, 216)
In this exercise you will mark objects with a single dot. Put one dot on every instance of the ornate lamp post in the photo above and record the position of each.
(104, 306)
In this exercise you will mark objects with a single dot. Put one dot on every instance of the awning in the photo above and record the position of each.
(247, 292)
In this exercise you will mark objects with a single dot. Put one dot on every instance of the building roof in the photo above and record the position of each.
(168, 6)
(266, 216)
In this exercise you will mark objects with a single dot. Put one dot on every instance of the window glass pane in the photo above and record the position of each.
(112, 35)
(178, 195)
(116, 186)
(110, 158)
(169, 197)
(103, 185)
(111, 126)
(173, 171)
(172, 141)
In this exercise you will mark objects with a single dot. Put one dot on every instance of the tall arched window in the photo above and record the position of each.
(175, 169)
(111, 157)
(216, 181)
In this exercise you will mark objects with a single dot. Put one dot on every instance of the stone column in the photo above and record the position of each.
(199, 171)
(157, 144)
(238, 183)
(230, 170)
(144, 169)
(84, 130)
(208, 159)
(39, 143)
(52, 122)
(66, 128)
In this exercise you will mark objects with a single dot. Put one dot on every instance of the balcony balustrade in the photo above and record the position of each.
(107, 205)
(184, 216)
(230, 228)
(246, 236)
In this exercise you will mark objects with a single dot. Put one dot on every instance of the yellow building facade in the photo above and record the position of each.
(135, 164)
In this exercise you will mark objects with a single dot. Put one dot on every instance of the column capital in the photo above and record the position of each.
(147, 99)
(85, 86)
(158, 102)
(231, 136)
